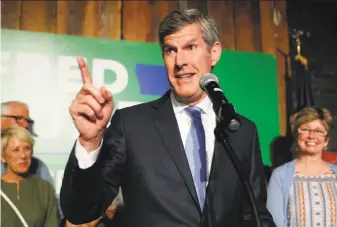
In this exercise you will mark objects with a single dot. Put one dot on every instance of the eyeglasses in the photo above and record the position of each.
(19, 119)
(316, 132)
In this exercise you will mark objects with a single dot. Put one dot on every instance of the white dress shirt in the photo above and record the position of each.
(87, 159)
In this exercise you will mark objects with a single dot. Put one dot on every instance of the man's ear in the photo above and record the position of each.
(216, 52)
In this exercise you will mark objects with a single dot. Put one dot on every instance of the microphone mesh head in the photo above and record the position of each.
(205, 79)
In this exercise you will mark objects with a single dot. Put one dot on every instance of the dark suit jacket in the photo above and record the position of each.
(142, 151)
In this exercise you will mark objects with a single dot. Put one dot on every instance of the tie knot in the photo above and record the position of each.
(194, 111)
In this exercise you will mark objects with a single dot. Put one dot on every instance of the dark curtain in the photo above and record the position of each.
(304, 96)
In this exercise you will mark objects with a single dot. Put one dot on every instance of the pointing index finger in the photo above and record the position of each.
(85, 73)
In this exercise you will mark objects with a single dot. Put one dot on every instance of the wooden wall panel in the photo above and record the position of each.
(102, 19)
(110, 19)
(89, 18)
(282, 42)
(268, 30)
(70, 15)
(38, 16)
(222, 12)
(11, 14)
(274, 39)
(201, 5)
(141, 19)
(137, 21)
(247, 26)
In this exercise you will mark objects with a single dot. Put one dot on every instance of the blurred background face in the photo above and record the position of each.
(15, 114)
(312, 137)
(187, 59)
(17, 156)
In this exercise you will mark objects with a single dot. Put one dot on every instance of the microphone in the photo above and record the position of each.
(224, 111)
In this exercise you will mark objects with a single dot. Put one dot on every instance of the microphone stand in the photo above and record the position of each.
(221, 136)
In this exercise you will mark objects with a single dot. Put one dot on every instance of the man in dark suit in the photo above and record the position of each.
(163, 154)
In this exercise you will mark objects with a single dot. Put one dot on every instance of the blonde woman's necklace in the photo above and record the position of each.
(18, 190)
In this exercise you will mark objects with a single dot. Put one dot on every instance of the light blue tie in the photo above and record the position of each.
(196, 153)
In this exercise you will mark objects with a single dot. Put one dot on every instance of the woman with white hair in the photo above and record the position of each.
(26, 199)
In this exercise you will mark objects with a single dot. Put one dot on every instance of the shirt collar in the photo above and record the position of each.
(205, 105)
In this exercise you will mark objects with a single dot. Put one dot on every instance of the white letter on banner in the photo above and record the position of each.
(100, 65)
(5, 56)
(32, 73)
(68, 74)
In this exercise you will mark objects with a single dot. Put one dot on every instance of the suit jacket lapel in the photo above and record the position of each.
(219, 163)
(219, 166)
(164, 118)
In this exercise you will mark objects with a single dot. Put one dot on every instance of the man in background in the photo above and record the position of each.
(17, 113)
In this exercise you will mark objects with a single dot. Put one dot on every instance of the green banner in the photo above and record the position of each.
(41, 70)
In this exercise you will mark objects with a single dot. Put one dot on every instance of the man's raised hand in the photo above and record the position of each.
(91, 110)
